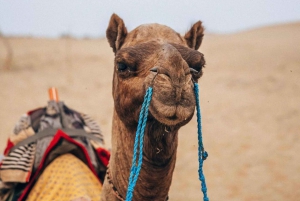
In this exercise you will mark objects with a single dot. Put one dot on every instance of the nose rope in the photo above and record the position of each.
(138, 145)
(202, 154)
(139, 141)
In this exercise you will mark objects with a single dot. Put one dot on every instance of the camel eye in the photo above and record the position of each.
(122, 67)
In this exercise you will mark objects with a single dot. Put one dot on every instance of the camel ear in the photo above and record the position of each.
(194, 36)
(116, 32)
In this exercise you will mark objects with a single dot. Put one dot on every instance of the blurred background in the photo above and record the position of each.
(89, 18)
(250, 90)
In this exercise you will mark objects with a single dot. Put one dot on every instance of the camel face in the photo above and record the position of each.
(155, 55)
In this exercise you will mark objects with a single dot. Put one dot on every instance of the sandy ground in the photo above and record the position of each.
(250, 101)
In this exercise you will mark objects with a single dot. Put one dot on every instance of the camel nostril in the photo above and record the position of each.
(154, 69)
(193, 71)
(160, 70)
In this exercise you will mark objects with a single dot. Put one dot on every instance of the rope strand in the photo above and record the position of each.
(135, 147)
(202, 154)
(138, 145)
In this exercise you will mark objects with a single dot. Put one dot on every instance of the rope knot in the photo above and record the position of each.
(204, 155)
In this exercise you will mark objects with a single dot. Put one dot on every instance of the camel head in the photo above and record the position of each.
(155, 55)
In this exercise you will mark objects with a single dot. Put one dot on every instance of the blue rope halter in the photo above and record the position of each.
(139, 141)
(202, 154)
(138, 145)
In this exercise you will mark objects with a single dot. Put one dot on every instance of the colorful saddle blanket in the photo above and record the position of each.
(41, 136)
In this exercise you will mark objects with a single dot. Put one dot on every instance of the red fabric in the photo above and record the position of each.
(103, 155)
(32, 111)
(9, 145)
(57, 137)
(28, 176)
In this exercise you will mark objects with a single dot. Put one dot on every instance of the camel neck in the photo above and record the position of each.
(160, 144)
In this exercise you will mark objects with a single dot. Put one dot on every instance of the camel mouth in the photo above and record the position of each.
(174, 117)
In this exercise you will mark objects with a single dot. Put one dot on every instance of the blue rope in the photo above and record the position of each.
(138, 145)
(202, 154)
(139, 142)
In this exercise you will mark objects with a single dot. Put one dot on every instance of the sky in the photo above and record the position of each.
(89, 18)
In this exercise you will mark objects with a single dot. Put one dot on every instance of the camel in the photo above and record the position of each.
(150, 55)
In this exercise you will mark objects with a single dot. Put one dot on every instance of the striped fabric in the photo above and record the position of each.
(92, 127)
(20, 158)
(17, 165)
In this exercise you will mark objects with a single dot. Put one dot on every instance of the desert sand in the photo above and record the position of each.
(250, 102)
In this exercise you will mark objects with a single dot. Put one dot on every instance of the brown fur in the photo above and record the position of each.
(116, 32)
(172, 105)
(194, 36)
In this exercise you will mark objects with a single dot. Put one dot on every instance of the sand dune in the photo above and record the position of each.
(250, 101)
